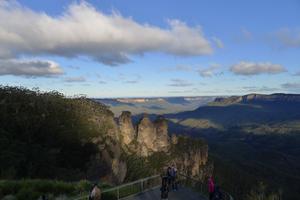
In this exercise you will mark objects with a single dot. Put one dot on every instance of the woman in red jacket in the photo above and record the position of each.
(211, 188)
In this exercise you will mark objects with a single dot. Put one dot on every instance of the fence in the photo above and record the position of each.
(143, 185)
(129, 189)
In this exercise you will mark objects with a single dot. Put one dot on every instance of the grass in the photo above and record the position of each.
(29, 189)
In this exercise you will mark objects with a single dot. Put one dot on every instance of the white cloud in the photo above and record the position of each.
(177, 68)
(29, 68)
(83, 30)
(102, 82)
(176, 82)
(297, 73)
(75, 79)
(218, 42)
(256, 89)
(251, 68)
(291, 86)
(210, 71)
(287, 38)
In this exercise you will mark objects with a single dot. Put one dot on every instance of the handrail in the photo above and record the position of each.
(141, 187)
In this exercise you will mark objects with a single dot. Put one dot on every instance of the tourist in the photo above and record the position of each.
(211, 187)
(169, 176)
(173, 177)
(95, 193)
(164, 188)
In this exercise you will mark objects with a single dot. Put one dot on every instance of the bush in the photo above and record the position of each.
(33, 189)
(28, 194)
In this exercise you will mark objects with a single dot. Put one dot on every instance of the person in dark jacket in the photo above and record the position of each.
(169, 175)
(164, 188)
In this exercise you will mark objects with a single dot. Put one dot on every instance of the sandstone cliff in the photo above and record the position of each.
(150, 139)
(127, 131)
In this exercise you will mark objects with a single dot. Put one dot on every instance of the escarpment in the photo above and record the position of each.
(149, 138)
(127, 131)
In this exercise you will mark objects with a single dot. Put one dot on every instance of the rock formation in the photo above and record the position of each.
(146, 136)
(162, 138)
(143, 139)
(127, 132)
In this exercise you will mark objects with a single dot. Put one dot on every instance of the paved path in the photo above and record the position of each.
(182, 194)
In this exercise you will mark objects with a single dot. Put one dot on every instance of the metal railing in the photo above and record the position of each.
(128, 189)
(136, 187)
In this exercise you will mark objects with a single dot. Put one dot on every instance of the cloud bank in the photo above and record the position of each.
(29, 68)
(251, 68)
(74, 79)
(291, 86)
(176, 82)
(287, 38)
(209, 71)
(84, 31)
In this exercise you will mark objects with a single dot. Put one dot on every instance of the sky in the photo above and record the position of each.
(135, 48)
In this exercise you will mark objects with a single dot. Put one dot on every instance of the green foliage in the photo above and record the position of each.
(137, 168)
(43, 135)
(187, 144)
(260, 193)
(242, 160)
(32, 189)
(140, 167)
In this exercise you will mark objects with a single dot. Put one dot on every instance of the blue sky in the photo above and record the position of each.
(139, 48)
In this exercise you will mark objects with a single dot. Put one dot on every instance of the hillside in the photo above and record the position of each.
(44, 135)
(279, 111)
(254, 136)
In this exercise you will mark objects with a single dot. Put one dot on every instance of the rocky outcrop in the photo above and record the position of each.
(190, 155)
(162, 141)
(146, 136)
(127, 132)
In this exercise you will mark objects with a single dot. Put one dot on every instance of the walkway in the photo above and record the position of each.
(182, 194)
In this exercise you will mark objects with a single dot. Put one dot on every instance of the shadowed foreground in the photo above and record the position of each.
(181, 194)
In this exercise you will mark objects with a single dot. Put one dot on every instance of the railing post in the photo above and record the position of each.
(142, 188)
(118, 193)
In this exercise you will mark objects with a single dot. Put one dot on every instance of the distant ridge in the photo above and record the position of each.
(277, 97)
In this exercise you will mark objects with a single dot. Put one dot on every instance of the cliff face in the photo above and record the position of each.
(190, 156)
(162, 138)
(148, 136)
(187, 154)
(126, 128)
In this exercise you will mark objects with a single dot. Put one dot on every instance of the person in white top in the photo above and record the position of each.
(95, 193)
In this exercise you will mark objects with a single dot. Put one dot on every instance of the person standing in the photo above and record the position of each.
(211, 187)
(173, 177)
(169, 175)
(164, 188)
(95, 193)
